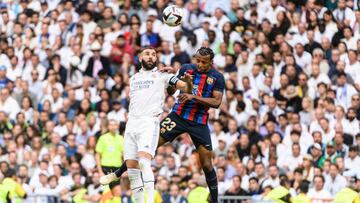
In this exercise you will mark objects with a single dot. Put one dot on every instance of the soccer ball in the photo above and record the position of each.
(173, 15)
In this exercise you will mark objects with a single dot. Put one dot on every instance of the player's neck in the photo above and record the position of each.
(148, 70)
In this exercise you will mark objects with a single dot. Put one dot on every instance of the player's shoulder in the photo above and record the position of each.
(215, 73)
(188, 66)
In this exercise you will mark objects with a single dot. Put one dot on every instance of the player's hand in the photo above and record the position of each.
(167, 69)
(187, 78)
(185, 97)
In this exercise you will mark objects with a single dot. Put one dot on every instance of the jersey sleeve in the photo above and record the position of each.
(220, 83)
(169, 79)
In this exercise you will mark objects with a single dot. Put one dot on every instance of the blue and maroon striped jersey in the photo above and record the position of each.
(203, 85)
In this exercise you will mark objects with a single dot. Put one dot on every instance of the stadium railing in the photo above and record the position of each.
(38, 199)
(242, 199)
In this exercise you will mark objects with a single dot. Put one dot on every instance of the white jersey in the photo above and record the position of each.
(147, 92)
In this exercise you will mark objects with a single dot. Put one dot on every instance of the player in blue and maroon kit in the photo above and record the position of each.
(190, 115)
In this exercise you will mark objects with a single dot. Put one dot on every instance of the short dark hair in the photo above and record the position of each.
(304, 186)
(321, 177)
(204, 51)
(147, 47)
(10, 173)
(295, 132)
(254, 178)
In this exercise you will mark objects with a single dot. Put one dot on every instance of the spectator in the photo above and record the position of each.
(97, 62)
(334, 182)
(319, 193)
(175, 193)
(235, 189)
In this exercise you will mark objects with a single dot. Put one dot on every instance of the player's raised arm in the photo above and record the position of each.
(184, 84)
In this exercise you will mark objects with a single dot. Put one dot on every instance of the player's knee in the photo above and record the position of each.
(206, 164)
(207, 167)
(145, 167)
(135, 178)
(132, 164)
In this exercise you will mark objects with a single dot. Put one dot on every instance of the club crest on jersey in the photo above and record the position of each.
(209, 80)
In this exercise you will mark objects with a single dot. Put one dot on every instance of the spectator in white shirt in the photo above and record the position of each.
(302, 57)
(35, 65)
(118, 113)
(244, 67)
(233, 134)
(8, 104)
(218, 20)
(217, 134)
(240, 115)
(273, 10)
(61, 128)
(169, 169)
(273, 180)
(349, 38)
(222, 182)
(343, 13)
(352, 68)
(316, 78)
(344, 91)
(328, 131)
(334, 182)
(14, 71)
(352, 161)
(256, 77)
(351, 123)
(318, 194)
(291, 162)
(55, 100)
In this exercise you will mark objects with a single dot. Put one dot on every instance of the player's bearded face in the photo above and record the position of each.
(149, 64)
(148, 59)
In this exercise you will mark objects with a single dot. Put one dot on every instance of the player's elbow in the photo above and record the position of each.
(170, 90)
(217, 104)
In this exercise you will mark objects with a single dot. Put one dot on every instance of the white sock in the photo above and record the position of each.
(148, 179)
(136, 184)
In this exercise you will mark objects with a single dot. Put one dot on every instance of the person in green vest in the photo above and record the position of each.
(347, 195)
(280, 194)
(200, 193)
(301, 197)
(79, 196)
(109, 149)
(15, 191)
(4, 194)
(112, 193)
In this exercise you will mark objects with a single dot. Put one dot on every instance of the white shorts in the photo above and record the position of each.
(141, 134)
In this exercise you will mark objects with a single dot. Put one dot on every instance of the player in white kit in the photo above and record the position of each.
(147, 94)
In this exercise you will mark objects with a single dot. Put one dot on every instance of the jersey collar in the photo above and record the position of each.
(142, 70)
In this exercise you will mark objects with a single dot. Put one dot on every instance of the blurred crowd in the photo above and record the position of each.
(289, 117)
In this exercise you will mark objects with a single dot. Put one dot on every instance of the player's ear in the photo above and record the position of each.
(140, 57)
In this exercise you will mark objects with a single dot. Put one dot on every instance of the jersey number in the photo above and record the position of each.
(168, 124)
